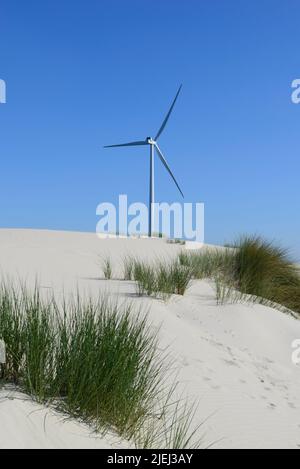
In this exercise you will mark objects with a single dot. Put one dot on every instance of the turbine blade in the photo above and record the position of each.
(129, 144)
(164, 162)
(168, 115)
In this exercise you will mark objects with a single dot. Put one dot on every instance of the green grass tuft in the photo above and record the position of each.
(161, 279)
(91, 360)
(128, 263)
(255, 270)
(266, 271)
(107, 268)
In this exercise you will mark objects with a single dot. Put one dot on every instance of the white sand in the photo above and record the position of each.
(234, 359)
(27, 425)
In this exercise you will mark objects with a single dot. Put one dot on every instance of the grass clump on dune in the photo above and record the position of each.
(161, 279)
(107, 268)
(144, 276)
(95, 362)
(113, 357)
(92, 360)
(128, 265)
(265, 270)
(204, 264)
(255, 269)
(28, 331)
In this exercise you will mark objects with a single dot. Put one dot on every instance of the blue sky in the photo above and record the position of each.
(84, 74)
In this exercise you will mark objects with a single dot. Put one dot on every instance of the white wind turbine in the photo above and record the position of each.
(153, 145)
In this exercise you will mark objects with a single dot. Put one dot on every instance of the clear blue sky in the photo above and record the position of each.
(81, 74)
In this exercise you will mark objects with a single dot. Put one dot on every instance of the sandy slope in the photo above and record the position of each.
(234, 359)
(27, 425)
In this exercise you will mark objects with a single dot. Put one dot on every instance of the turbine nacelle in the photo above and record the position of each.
(150, 141)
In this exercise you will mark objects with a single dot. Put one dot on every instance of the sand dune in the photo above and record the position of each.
(234, 359)
(27, 425)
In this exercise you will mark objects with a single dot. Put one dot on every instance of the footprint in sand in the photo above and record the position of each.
(267, 360)
(199, 361)
(216, 387)
(231, 363)
(282, 387)
(206, 378)
(184, 361)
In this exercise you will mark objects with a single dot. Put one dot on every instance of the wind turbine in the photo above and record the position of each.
(153, 145)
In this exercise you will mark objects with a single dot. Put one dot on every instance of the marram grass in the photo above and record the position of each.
(254, 270)
(107, 268)
(128, 265)
(95, 361)
(161, 279)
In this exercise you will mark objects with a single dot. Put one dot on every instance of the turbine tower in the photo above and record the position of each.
(154, 146)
